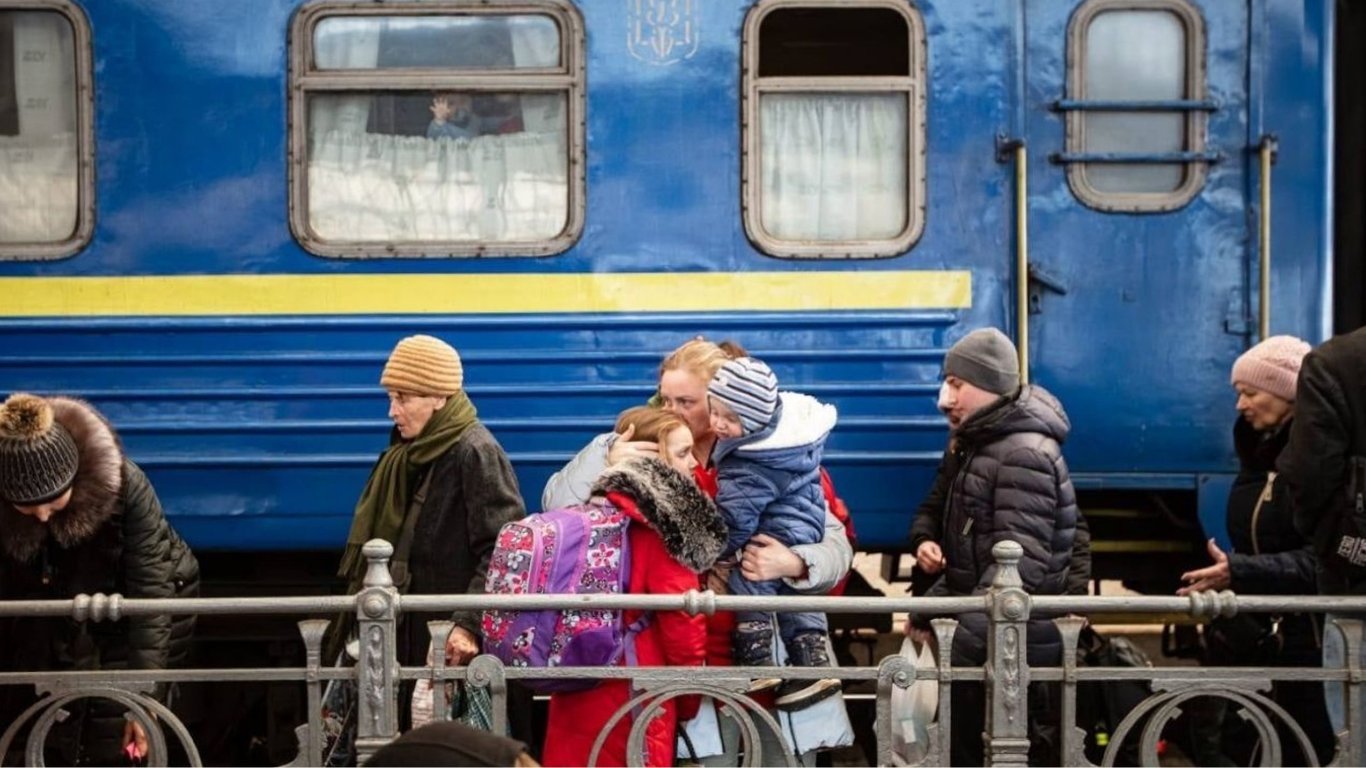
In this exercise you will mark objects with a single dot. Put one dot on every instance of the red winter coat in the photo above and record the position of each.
(677, 534)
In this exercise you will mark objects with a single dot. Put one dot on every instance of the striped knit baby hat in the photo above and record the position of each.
(749, 388)
(423, 365)
(38, 457)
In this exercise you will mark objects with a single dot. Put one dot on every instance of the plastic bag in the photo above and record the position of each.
(913, 708)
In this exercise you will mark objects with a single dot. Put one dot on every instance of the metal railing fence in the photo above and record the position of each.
(1006, 674)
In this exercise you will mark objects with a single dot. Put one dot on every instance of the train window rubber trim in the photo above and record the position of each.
(568, 78)
(85, 136)
(1194, 106)
(754, 87)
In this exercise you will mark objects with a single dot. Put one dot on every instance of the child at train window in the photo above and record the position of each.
(768, 460)
(451, 117)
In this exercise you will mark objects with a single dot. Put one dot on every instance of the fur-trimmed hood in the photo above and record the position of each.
(685, 519)
(94, 492)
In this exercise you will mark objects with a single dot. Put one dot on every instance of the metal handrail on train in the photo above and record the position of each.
(1266, 152)
(1006, 673)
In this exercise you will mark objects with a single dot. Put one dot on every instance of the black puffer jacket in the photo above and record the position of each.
(1012, 484)
(1269, 556)
(111, 538)
(1324, 464)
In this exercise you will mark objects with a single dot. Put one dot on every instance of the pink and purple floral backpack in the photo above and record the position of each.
(581, 550)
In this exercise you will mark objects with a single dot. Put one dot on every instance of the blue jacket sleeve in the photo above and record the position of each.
(742, 498)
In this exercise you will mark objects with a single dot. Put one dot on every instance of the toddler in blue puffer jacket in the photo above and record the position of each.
(768, 458)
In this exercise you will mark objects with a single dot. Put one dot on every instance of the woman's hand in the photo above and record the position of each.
(1215, 577)
(461, 646)
(765, 558)
(134, 740)
(624, 448)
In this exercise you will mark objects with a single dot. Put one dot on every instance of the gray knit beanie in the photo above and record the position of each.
(749, 388)
(986, 359)
(38, 458)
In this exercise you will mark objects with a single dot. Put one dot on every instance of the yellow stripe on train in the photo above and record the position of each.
(484, 293)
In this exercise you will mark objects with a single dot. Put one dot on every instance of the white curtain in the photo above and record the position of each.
(369, 187)
(38, 173)
(833, 165)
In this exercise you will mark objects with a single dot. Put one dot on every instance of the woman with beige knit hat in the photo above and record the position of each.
(439, 494)
(1269, 556)
(78, 517)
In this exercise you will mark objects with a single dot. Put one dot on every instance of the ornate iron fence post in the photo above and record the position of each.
(377, 668)
(1007, 672)
(312, 630)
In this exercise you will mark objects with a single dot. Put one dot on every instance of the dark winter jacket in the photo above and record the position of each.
(472, 493)
(769, 482)
(1012, 484)
(111, 538)
(676, 534)
(1269, 556)
(1324, 464)
(928, 524)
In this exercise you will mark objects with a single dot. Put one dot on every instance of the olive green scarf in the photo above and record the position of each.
(385, 500)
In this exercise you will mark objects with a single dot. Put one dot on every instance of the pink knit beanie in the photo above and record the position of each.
(1272, 366)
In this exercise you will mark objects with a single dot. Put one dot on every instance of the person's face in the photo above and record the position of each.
(410, 412)
(724, 422)
(678, 450)
(685, 395)
(961, 400)
(44, 512)
(1261, 409)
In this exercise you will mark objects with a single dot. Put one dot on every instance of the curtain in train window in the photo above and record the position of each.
(39, 176)
(444, 164)
(834, 108)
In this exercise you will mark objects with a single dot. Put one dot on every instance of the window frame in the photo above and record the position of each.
(1196, 88)
(567, 78)
(81, 43)
(913, 85)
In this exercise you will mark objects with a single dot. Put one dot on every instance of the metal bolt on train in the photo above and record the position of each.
(217, 218)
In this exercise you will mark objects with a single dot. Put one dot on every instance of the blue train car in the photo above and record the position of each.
(217, 218)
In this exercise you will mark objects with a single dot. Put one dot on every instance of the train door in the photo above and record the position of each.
(1135, 119)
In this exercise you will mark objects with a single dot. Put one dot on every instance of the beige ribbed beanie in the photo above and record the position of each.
(423, 365)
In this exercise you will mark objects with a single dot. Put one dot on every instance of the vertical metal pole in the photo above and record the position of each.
(1022, 258)
(1007, 669)
(312, 631)
(1267, 153)
(377, 669)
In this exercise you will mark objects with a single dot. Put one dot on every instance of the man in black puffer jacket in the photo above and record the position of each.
(1009, 483)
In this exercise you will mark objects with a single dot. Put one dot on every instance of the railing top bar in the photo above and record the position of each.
(1244, 603)
(698, 602)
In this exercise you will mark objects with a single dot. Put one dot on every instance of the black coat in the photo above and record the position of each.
(1327, 443)
(473, 492)
(1011, 484)
(112, 537)
(1269, 556)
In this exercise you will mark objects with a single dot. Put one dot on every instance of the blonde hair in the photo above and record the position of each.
(653, 424)
(699, 357)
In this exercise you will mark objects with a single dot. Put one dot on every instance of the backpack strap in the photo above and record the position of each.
(398, 564)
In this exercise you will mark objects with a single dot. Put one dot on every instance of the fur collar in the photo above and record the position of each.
(94, 492)
(673, 505)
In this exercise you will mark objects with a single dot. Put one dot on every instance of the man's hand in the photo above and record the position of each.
(929, 557)
(1214, 577)
(461, 646)
(765, 559)
(623, 448)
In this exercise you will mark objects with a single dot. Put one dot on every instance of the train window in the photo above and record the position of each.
(1135, 124)
(46, 173)
(834, 130)
(437, 128)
